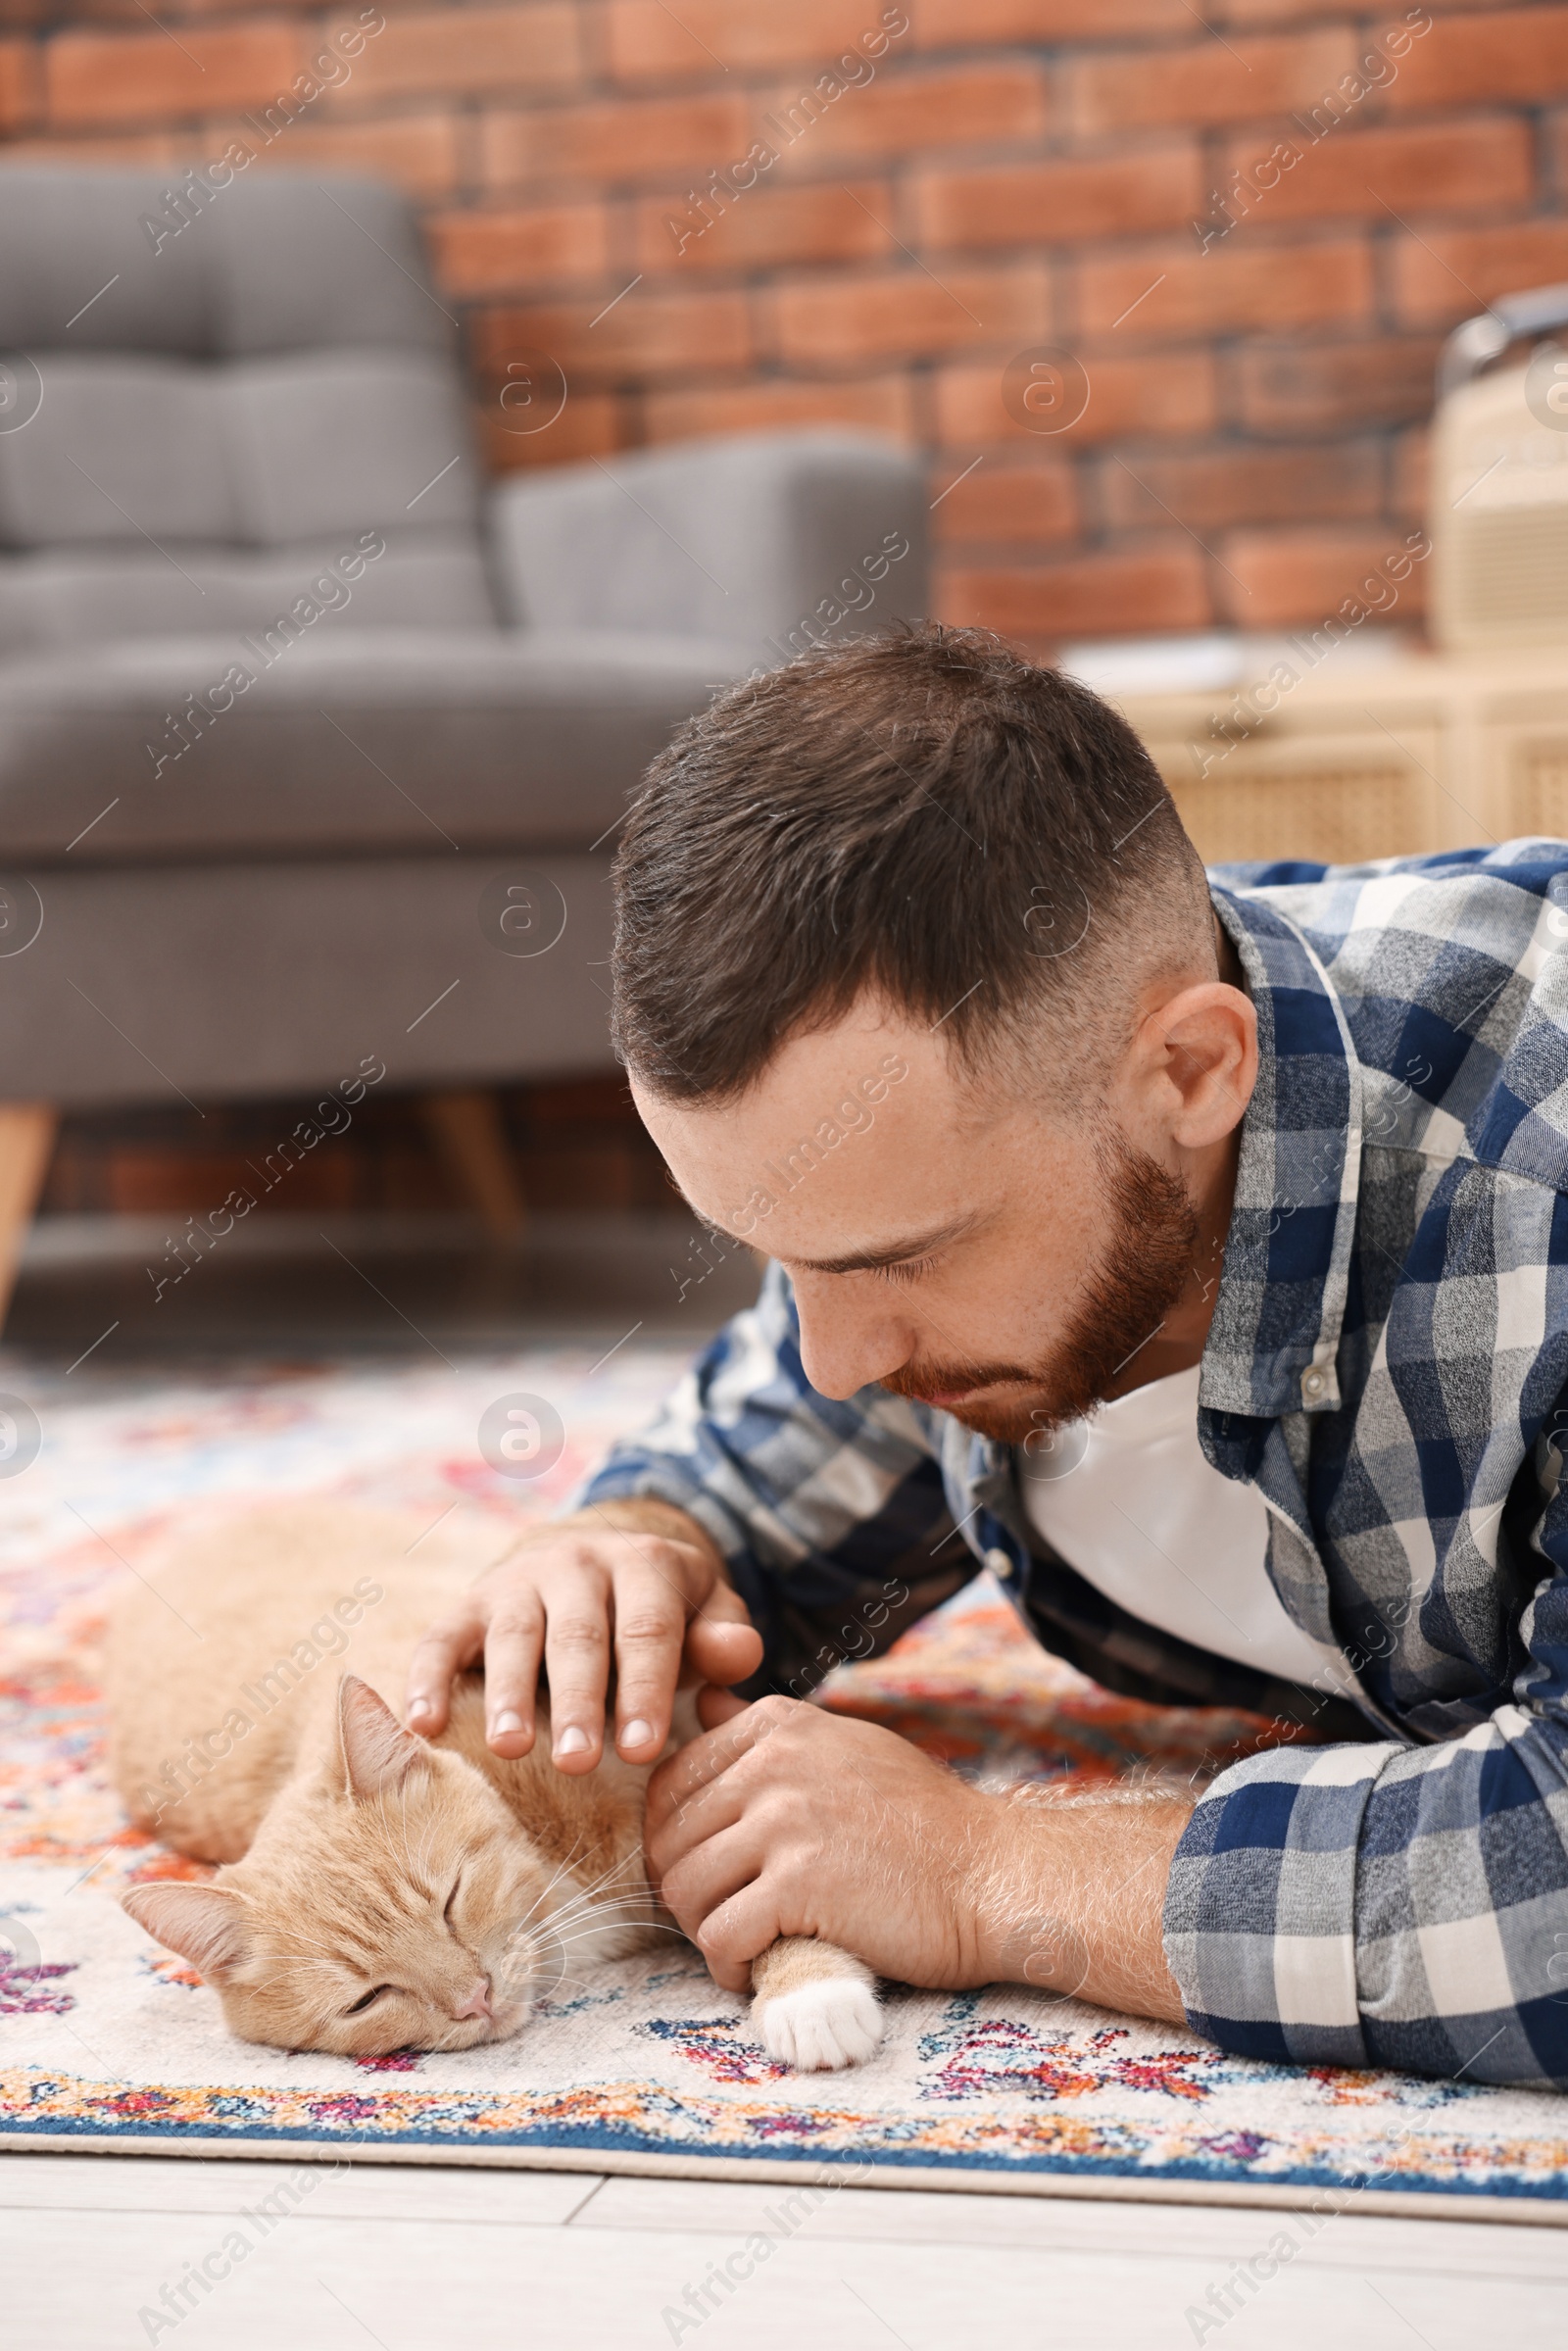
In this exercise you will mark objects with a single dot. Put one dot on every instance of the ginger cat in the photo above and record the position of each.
(382, 1891)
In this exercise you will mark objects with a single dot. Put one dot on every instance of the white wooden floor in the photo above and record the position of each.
(418, 2260)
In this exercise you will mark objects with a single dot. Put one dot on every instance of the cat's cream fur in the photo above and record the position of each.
(382, 1891)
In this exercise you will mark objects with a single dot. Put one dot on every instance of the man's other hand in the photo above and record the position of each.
(789, 1820)
(785, 1819)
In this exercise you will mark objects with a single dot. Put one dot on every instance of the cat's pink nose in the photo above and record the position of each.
(477, 2003)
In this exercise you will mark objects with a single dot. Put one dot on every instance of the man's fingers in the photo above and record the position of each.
(650, 1624)
(738, 1931)
(723, 1651)
(511, 1652)
(449, 1646)
(724, 1605)
(715, 1706)
(676, 1782)
(577, 1662)
(708, 1876)
(567, 1604)
(669, 1833)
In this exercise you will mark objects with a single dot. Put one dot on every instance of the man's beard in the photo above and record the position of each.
(1153, 1240)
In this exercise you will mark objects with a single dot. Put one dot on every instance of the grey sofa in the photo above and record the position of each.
(309, 736)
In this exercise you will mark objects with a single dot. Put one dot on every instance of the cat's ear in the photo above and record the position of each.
(378, 1754)
(204, 1924)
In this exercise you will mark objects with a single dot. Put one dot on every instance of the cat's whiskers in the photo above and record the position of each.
(544, 1951)
(514, 1943)
(553, 1880)
(585, 1895)
(588, 1931)
(597, 1921)
(564, 1981)
(555, 1877)
(571, 1914)
(420, 1869)
(582, 1912)
(596, 1902)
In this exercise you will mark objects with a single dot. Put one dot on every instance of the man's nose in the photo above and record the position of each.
(477, 2003)
(845, 1341)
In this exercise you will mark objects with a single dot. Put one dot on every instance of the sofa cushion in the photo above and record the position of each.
(121, 447)
(373, 740)
(261, 978)
(270, 407)
(137, 451)
(80, 598)
(347, 441)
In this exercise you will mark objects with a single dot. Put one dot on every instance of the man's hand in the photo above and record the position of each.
(789, 1820)
(638, 1579)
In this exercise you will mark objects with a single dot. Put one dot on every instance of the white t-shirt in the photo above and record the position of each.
(1128, 1498)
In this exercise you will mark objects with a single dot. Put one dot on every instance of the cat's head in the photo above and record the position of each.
(393, 1903)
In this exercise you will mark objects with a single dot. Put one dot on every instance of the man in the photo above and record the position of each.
(1195, 1254)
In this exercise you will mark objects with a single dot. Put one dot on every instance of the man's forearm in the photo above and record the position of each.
(1075, 1899)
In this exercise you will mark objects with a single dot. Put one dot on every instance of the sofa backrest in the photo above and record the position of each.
(775, 541)
(211, 398)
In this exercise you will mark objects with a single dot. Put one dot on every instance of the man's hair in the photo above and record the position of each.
(978, 842)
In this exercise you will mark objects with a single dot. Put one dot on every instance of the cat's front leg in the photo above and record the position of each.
(813, 2006)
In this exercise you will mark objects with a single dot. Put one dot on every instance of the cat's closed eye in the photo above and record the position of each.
(452, 1895)
(365, 1999)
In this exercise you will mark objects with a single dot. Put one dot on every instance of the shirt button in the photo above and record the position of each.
(1312, 1383)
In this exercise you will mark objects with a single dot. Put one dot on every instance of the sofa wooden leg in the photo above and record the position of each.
(27, 1143)
(466, 1131)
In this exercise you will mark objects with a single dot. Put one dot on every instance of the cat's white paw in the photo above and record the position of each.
(821, 2026)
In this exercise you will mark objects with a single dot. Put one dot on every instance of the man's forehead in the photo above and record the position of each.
(819, 1071)
(852, 1193)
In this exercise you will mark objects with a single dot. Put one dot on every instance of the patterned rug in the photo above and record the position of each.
(106, 2041)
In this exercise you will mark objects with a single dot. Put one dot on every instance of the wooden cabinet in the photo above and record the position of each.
(1421, 753)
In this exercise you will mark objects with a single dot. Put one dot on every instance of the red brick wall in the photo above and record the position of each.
(1004, 174)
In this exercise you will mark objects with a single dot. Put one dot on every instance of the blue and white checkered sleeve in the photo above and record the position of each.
(1261, 1905)
(800, 1493)
(1395, 1906)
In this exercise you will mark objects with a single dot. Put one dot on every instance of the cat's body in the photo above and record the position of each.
(382, 1892)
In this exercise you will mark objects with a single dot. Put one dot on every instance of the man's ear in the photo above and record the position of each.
(204, 1924)
(378, 1754)
(1200, 1051)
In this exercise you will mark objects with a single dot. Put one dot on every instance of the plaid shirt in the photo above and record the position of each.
(1388, 1365)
